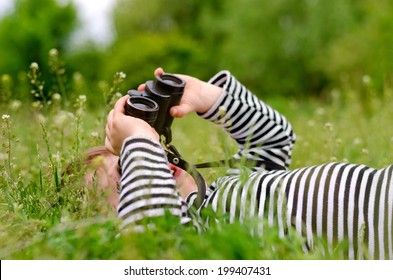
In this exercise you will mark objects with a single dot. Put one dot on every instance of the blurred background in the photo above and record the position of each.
(326, 65)
(276, 47)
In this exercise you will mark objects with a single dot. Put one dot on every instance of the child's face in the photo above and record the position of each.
(185, 184)
(108, 178)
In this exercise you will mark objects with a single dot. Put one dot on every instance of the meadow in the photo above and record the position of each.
(46, 214)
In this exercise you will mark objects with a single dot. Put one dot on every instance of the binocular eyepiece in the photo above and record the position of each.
(153, 103)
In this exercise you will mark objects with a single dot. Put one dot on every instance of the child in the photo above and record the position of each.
(337, 201)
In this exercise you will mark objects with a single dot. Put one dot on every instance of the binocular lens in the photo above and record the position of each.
(170, 83)
(142, 108)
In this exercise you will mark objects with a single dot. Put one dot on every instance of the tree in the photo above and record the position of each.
(155, 33)
(31, 31)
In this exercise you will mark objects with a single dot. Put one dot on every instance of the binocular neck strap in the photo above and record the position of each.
(233, 162)
(175, 158)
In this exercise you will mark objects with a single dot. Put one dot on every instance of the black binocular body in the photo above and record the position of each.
(153, 103)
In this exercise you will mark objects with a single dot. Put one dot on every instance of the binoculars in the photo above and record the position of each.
(153, 103)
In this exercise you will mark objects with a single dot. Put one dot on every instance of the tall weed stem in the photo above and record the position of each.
(7, 135)
(53, 164)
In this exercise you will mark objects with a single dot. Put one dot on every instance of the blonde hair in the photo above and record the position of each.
(91, 154)
(88, 159)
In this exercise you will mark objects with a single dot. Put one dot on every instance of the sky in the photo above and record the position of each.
(94, 15)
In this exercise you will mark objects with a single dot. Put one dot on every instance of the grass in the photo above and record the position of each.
(45, 216)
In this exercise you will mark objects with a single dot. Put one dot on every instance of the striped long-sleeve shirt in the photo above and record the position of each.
(335, 201)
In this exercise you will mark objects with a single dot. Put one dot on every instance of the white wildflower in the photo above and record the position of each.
(71, 116)
(333, 159)
(36, 104)
(15, 105)
(329, 126)
(34, 65)
(57, 157)
(94, 134)
(53, 52)
(5, 117)
(82, 98)
(366, 79)
(335, 93)
(6, 79)
(311, 123)
(41, 118)
(320, 111)
(222, 110)
(56, 97)
(60, 119)
(357, 141)
(121, 75)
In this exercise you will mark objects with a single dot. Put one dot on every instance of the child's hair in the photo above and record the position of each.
(85, 161)
(91, 154)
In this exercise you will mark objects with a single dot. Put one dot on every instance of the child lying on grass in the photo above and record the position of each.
(336, 201)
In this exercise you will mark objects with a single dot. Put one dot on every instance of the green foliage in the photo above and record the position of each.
(285, 48)
(157, 33)
(280, 47)
(28, 33)
(47, 213)
(288, 48)
(365, 50)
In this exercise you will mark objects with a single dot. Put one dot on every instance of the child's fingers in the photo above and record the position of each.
(141, 87)
(180, 110)
(119, 106)
(108, 146)
(159, 71)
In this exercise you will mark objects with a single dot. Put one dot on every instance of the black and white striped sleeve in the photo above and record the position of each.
(262, 133)
(147, 187)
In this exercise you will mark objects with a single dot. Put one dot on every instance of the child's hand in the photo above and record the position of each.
(120, 126)
(198, 96)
